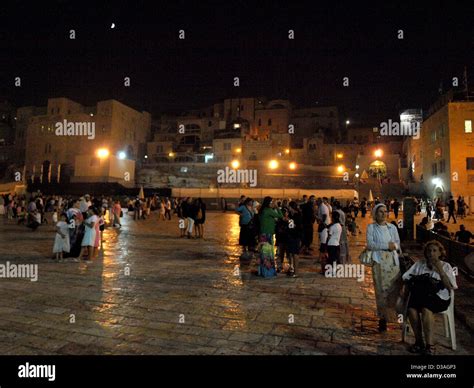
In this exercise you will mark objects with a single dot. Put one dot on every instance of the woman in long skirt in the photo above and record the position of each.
(384, 242)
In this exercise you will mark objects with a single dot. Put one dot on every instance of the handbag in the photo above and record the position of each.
(366, 258)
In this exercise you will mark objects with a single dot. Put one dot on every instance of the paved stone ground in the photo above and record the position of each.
(222, 311)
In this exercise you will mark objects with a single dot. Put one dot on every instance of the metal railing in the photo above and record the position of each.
(456, 252)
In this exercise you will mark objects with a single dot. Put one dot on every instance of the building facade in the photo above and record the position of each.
(66, 129)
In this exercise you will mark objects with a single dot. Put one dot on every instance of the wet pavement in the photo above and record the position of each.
(150, 292)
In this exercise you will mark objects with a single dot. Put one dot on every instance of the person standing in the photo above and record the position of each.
(200, 217)
(88, 241)
(268, 215)
(334, 239)
(451, 208)
(181, 210)
(117, 213)
(343, 242)
(295, 233)
(396, 208)
(308, 218)
(168, 209)
(247, 225)
(191, 213)
(162, 210)
(384, 243)
(355, 206)
(61, 240)
(363, 207)
(137, 208)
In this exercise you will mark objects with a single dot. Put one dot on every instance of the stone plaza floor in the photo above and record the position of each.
(187, 297)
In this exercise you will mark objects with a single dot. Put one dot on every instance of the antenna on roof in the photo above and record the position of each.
(466, 90)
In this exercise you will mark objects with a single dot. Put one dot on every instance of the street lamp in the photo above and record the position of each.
(287, 151)
(273, 164)
(340, 168)
(103, 153)
(122, 155)
(378, 153)
(292, 166)
(340, 156)
(235, 164)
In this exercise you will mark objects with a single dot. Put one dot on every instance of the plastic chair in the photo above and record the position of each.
(448, 322)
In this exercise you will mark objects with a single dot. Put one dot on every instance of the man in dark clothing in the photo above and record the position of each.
(396, 207)
(451, 208)
(308, 218)
(463, 235)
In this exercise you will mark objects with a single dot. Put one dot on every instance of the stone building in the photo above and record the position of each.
(50, 149)
(443, 157)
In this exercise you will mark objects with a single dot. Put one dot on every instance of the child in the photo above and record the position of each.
(266, 262)
(61, 240)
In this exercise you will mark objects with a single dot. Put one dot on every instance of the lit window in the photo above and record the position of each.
(468, 126)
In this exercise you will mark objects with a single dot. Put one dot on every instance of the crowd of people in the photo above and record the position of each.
(79, 222)
(437, 208)
(289, 226)
(276, 233)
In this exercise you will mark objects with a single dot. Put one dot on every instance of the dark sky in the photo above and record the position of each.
(225, 39)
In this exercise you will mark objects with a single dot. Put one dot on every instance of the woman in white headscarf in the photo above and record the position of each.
(384, 242)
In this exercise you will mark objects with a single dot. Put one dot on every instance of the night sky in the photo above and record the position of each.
(244, 39)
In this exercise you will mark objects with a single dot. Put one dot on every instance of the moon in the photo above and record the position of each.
(113, 25)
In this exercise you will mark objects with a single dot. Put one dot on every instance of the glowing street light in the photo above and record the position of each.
(287, 151)
(340, 169)
(171, 154)
(378, 153)
(292, 166)
(357, 175)
(347, 122)
(357, 166)
(103, 153)
(235, 164)
(273, 164)
(122, 155)
(238, 150)
(340, 156)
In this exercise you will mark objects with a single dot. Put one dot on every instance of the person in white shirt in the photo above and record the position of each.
(383, 241)
(88, 241)
(334, 239)
(323, 212)
(429, 281)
